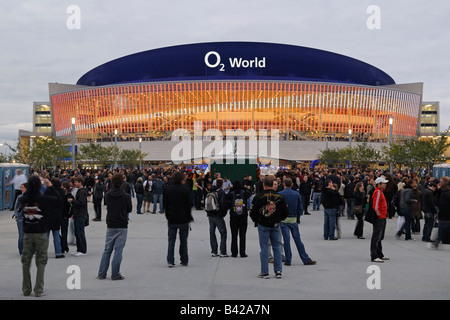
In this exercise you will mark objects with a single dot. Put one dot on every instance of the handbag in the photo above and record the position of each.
(371, 215)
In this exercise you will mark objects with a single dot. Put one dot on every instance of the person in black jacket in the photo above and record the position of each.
(55, 215)
(330, 202)
(443, 213)
(97, 198)
(177, 206)
(35, 242)
(267, 211)
(80, 215)
(118, 205)
(139, 190)
(238, 218)
(216, 220)
(67, 215)
(429, 210)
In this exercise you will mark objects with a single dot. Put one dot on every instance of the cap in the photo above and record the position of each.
(380, 180)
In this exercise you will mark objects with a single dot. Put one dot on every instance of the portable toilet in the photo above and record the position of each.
(7, 173)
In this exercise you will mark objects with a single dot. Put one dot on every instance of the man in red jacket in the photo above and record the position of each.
(380, 206)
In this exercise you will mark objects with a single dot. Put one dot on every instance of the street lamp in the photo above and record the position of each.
(391, 140)
(115, 145)
(140, 151)
(73, 143)
(350, 145)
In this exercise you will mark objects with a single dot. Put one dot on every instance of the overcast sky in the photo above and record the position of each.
(37, 47)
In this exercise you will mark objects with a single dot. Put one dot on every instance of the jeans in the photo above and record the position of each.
(140, 199)
(286, 230)
(131, 188)
(266, 233)
(56, 241)
(158, 198)
(376, 249)
(317, 200)
(329, 223)
(34, 243)
(115, 240)
(219, 223)
(20, 229)
(172, 236)
(428, 226)
(80, 235)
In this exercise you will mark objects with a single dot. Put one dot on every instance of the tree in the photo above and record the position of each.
(131, 157)
(48, 152)
(330, 156)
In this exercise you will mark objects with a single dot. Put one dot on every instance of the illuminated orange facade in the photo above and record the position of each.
(300, 110)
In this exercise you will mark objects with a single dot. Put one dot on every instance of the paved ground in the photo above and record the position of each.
(414, 271)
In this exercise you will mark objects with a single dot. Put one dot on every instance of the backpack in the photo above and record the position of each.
(238, 204)
(212, 201)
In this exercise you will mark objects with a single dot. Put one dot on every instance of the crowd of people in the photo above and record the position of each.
(56, 203)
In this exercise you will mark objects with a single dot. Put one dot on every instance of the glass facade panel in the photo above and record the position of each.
(300, 110)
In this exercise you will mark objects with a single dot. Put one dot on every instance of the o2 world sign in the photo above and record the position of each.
(213, 60)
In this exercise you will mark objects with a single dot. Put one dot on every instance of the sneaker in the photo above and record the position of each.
(224, 255)
(377, 260)
(59, 256)
(431, 245)
(385, 258)
(287, 263)
(263, 275)
(74, 253)
(171, 265)
(79, 254)
(100, 277)
(214, 255)
(41, 294)
(119, 278)
(278, 274)
(183, 264)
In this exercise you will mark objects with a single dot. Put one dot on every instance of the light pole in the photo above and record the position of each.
(140, 151)
(115, 149)
(350, 145)
(73, 144)
(391, 141)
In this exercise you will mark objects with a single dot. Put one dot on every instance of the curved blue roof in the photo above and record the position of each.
(235, 61)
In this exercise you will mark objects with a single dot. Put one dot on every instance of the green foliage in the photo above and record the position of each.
(48, 152)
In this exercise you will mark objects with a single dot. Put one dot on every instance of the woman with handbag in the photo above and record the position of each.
(360, 200)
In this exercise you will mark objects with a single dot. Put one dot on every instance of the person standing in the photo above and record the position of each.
(379, 205)
(158, 189)
(443, 213)
(97, 198)
(67, 216)
(80, 215)
(18, 179)
(330, 202)
(238, 218)
(359, 196)
(18, 215)
(148, 192)
(290, 224)
(118, 206)
(35, 241)
(216, 220)
(176, 200)
(55, 215)
(429, 210)
(349, 197)
(267, 210)
(139, 190)
(317, 197)
(305, 192)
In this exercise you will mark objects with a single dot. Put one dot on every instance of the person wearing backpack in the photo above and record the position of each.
(238, 218)
(216, 209)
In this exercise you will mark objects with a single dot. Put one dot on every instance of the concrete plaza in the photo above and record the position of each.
(341, 272)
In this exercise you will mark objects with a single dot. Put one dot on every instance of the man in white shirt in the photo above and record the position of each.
(17, 180)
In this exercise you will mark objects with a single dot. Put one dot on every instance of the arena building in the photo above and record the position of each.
(314, 98)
